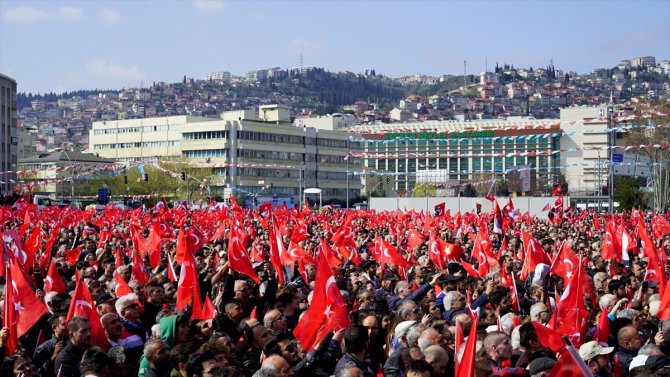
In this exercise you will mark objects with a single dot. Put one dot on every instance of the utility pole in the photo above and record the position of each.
(611, 142)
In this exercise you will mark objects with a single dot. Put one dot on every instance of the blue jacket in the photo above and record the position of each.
(395, 301)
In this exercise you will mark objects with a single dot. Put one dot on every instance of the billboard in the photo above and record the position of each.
(631, 164)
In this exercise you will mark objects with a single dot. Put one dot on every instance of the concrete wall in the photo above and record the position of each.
(533, 205)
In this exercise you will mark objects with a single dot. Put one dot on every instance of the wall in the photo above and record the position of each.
(533, 205)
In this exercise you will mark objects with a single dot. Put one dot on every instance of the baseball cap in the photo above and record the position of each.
(104, 298)
(658, 361)
(540, 365)
(592, 349)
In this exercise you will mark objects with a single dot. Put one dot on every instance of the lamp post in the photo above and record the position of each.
(72, 170)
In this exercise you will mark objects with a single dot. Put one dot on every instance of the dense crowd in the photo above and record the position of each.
(288, 292)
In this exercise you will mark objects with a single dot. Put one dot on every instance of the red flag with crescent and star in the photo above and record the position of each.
(328, 310)
(82, 305)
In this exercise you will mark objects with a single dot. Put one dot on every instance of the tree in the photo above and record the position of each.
(660, 171)
(628, 192)
(469, 191)
(424, 189)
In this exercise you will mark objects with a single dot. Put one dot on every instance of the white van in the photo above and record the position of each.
(42, 201)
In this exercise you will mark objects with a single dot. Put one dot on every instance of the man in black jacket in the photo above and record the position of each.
(46, 353)
(68, 361)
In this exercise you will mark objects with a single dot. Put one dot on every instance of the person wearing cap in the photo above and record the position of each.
(597, 358)
(630, 341)
(105, 304)
(386, 285)
(541, 367)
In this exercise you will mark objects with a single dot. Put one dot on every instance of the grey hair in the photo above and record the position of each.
(399, 286)
(536, 309)
(650, 350)
(405, 308)
(351, 371)
(118, 354)
(627, 313)
(507, 323)
(449, 299)
(266, 372)
(148, 346)
(268, 317)
(123, 301)
(606, 300)
(413, 333)
(427, 339)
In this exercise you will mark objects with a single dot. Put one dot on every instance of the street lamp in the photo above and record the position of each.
(72, 170)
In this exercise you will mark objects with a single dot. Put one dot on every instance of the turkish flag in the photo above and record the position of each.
(82, 305)
(327, 312)
(196, 239)
(458, 340)
(414, 238)
(34, 241)
(470, 269)
(570, 364)
(565, 262)
(72, 256)
(138, 269)
(206, 312)
(659, 226)
(498, 227)
(119, 257)
(121, 287)
(53, 282)
(625, 241)
(465, 367)
(299, 233)
(105, 237)
(389, 254)
(238, 259)
(602, 332)
(188, 284)
(534, 255)
(25, 225)
(435, 252)
(170, 269)
(277, 250)
(557, 191)
(546, 207)
(22, 306)
(154, 246)
(295, 253)
(548, 337)
(14, 251)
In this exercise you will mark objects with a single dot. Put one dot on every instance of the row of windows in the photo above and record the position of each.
(458, 164)
(423, 142)
(205, 135)
(125, 130)
(271, 155)
(275, 190)
(336, 176)
(205, 153)
(278, 173)
(333, 143)
(146, 144)
(270, 137)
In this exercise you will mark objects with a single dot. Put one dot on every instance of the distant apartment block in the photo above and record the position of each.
(8, 133)
(225, 76)
(645, 61)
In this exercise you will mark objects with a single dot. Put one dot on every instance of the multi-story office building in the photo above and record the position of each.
(245, 150)
(8, 133)
(453, 153)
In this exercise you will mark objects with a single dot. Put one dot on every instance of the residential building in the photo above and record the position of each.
(27, 142)
(57, 172)
(8, 133)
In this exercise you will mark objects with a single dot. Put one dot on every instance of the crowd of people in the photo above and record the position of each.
(239, 293)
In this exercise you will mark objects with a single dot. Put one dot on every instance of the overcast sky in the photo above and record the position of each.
(68, 45)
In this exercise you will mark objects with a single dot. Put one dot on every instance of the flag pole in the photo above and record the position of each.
(575, 356)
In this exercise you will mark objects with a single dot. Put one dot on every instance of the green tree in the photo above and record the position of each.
(424, 189)
(628, 193)
(469, 191)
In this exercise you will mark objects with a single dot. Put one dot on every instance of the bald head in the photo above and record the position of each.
(629, 338)
(279, 365)
(437, 357)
